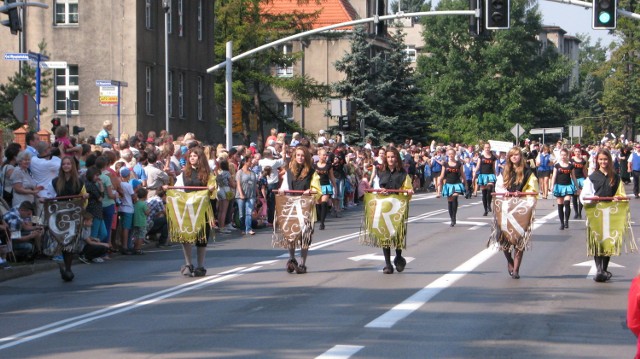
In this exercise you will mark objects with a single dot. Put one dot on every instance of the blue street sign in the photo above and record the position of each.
(38, 57)
(16, 56)
(103, 83)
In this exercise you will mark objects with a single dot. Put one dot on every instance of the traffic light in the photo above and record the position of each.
(496, 14)
(343, 122)
(14, 22)
(77, 130)
(604, 14)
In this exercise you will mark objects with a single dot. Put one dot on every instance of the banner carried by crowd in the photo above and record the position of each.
(385, 220)
(293, 221)
(188, 215)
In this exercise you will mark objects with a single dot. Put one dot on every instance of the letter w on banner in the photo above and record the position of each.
(513, 221)
(608, 228)
(385, 220)
(294, 219)
(188, 215)
(63, 221)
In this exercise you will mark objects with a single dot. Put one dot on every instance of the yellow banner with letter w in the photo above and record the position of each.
(608, 228)
(187, 215)
(385, 220)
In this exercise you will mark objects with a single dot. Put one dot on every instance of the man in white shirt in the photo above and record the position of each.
(321, 138)
(272, 180)
(44, 167)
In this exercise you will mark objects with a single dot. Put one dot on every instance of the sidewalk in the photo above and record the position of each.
(23, 269)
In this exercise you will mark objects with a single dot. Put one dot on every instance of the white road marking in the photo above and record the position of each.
(411, 304)
(375, 257)
(340, 352)
(52, 328)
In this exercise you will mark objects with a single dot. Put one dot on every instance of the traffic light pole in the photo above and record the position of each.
(589, 4)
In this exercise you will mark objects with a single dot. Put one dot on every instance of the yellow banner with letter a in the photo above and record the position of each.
(385, 220)
(188, 215)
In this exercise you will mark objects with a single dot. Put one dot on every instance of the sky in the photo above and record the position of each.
(573, 19)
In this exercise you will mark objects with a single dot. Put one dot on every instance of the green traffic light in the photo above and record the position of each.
(604, 17)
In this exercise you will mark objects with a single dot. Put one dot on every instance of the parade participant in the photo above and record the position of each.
(196, 174)
(301, 176)
(486, 174)
(604, 182)
(545, 165)
(468, 176)
(563, 180)
(436, 170)
(67, 183)
(327, 183)
(633, 311)
(517, 177)
(580, 173)
(453, 186)
(393, 177)
(633, 167)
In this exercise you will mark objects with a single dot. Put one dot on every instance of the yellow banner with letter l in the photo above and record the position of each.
(609, 228)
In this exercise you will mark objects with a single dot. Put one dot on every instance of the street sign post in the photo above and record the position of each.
(24, 107)
(517, 131)
(544, 131)
(575, 131)
(108, 95)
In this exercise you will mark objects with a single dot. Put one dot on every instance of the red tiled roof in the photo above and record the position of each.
(331, 11)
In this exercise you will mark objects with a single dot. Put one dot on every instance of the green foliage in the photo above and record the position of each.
(478, 88)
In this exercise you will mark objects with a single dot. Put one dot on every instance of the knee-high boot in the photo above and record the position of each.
(450, 208)
(388, 269)
(324, 208)
(516, 264)
(580, 206)
(605, 267)
(599, 277)
(561, 214)
(567, 213)
(455, 209)
(485, 200)
(576, 209)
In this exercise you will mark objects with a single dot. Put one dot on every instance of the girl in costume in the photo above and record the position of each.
(580, 173)
(563, 181)
(544, 163)
(393, 176)
(486, 174)
(604, 182)
(327, 183)
(517, 177)
(197, 173)
(452, 177)
(301, 176)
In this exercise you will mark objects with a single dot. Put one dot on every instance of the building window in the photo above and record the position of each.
(66, 12)
(199, 20)
(286, 110)
(200, 98)
(170, 93)
(147, 14)
(180, 19)
(181, 95)
(411, 55)
(148, 76)
(285, 70)
(67, 82)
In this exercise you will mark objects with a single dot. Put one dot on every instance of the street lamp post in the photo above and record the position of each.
(166, 4)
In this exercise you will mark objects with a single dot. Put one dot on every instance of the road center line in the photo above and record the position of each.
(340, 352)
(411, 304)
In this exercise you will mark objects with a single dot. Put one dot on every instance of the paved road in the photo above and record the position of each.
(454, 300)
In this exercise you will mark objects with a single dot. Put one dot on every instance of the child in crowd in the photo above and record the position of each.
(125, 211)
(93, 250)
(140, 214)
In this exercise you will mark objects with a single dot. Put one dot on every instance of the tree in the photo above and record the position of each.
(24, 81)
(364, 86)
(246, 24)
(478, 88)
